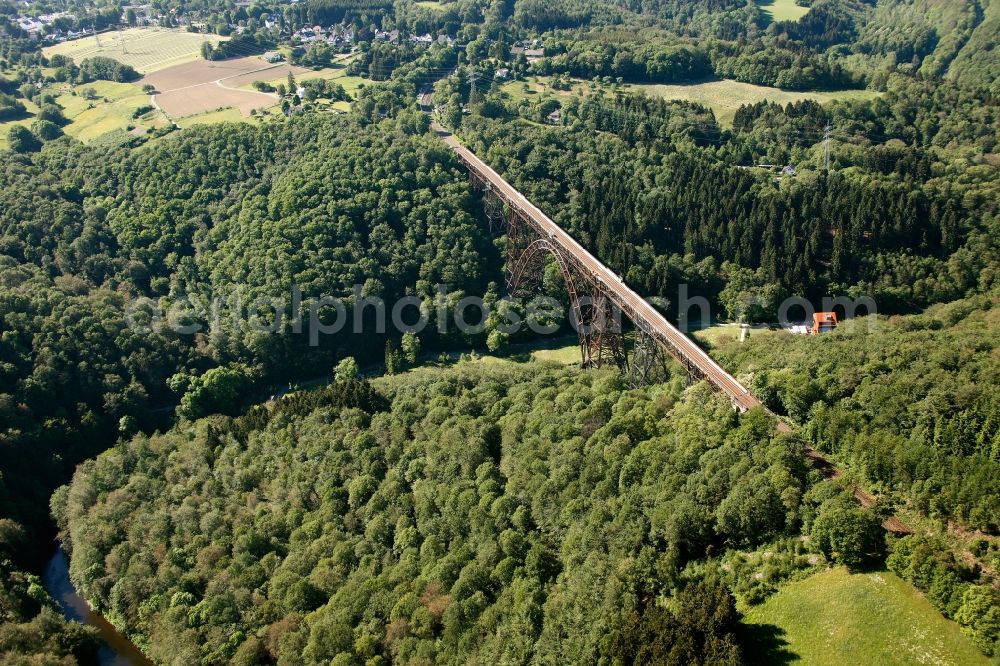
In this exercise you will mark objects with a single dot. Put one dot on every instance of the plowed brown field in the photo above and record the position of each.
(203, 85)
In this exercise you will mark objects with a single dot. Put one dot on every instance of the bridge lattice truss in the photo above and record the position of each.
(596, 309)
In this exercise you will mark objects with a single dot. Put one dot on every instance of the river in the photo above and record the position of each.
(115, 649)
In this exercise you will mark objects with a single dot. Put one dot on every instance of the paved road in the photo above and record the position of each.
(635, 306)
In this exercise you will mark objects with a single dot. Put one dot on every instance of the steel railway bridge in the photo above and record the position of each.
(531, 236)
(595, 291)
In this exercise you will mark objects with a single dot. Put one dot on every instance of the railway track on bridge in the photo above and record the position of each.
(643, 315)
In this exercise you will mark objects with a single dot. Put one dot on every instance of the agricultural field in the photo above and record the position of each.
(209, 96)
(209, 71)
(200, 86)
(145, 49)
(337, 72)
(781, 10)
(229, 115)
(277, 74)
(191, 93)
(836, 617)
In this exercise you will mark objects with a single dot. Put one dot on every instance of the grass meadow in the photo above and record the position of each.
(781, 10)
(724, 96)
(95, 109)
(836, 617)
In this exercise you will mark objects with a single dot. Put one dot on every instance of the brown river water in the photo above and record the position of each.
(115, 649)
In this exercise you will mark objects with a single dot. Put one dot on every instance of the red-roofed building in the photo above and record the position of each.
(824, 322)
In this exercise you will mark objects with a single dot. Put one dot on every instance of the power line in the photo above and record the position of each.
(473, 78)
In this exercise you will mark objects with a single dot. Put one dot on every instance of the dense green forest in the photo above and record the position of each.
(222, 212)
(498, 513)
(896, 224)
(32, 630)
(219, 211)
(508, 512)
(914, 407)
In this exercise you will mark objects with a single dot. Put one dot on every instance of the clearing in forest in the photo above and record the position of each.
(782, 10)
(836, 617)
(726, 96)
(723, 96)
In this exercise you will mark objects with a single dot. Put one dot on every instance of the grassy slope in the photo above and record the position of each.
(836, 618)
(90, 119)
(226, 115)
(31, 109)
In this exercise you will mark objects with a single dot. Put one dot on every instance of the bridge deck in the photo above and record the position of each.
(642, 313)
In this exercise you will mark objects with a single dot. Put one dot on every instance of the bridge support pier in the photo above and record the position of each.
(595, 317)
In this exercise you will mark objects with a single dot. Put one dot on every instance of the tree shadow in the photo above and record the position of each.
(765, 645)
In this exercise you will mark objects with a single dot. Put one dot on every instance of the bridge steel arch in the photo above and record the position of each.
(531, 233)
(593, 315)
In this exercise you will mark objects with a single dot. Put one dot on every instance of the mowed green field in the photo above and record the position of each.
(227, 115)
(722, 334)
(536, 86)
(835, 618)
(782, 10)
(145, 49)
(725, 97)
